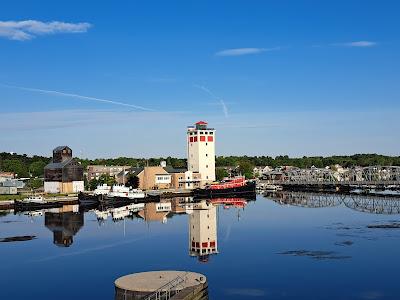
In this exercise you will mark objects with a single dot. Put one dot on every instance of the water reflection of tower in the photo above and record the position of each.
(64, 222)
(203, 230)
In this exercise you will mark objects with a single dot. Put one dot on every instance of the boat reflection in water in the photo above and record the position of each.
(64, 222)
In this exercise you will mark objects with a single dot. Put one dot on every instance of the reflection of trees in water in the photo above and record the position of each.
(64, 226)
(362, 203)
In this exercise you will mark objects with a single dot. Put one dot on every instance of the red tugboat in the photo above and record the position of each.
(227, 202)
(229, 187)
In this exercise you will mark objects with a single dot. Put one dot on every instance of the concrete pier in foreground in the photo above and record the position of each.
(165, 285)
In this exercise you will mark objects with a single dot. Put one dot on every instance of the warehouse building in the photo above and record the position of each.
(64, 174)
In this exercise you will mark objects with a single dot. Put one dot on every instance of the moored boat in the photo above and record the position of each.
(34, 202)
(120, 194)
(87, 199)
(228, 187)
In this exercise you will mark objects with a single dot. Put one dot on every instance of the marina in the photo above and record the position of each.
(333, 235)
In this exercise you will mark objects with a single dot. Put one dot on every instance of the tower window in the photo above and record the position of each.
(206, 166)
(206, 154)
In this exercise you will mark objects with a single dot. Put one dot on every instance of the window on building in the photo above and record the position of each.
(206, 166)
(206, 144)
(206, 154)
(206, 177)
(211, 133)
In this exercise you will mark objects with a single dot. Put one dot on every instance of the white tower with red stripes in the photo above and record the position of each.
(201, 151)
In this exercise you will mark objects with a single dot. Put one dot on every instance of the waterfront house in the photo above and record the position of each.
(161, 177)
(6, 176)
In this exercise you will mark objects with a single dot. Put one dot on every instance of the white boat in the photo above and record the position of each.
(34, 199)
(121, 191)
(103, 189)
(273, 187)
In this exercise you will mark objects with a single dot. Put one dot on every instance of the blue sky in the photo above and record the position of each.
(127, 77)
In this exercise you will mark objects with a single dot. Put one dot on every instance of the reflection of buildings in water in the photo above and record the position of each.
(64, 222)
(179, 204)
(156, 211)
(202, 230)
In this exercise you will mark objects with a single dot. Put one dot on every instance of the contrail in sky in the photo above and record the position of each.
(78, 97)
(221, 101)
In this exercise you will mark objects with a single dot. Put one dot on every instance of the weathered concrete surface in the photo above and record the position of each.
(136, 286)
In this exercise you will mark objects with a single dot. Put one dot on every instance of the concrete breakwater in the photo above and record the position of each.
(172, 285)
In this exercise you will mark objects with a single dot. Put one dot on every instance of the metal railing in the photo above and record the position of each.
(168, 290)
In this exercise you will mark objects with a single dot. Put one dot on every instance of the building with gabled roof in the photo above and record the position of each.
(63, 174)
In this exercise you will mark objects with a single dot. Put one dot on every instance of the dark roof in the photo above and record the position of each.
(133, 171)
(136, 171)
(59, 165)
(60, 148)
(171, 169)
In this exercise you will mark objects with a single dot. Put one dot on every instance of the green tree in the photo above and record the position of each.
(36, 169)
(103, 179)
(132, 181)
(16, 166)
(246, 168)
(220, 173)
(35, 183)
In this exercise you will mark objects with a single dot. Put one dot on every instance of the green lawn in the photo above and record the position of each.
(11, 197)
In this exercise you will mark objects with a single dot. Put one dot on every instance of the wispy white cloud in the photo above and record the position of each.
(87, 98)
(29, 29)
(360, 44)
(244, 51)
(221, 101)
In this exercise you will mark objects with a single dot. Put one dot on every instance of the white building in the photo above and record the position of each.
(201, 151)
(202, 230)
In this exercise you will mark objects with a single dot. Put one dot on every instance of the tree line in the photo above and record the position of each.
(26, 166)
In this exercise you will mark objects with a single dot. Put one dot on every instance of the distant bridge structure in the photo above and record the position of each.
(373, 176)
(362, 203)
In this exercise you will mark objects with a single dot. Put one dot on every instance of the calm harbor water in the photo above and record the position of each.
(283, 246)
